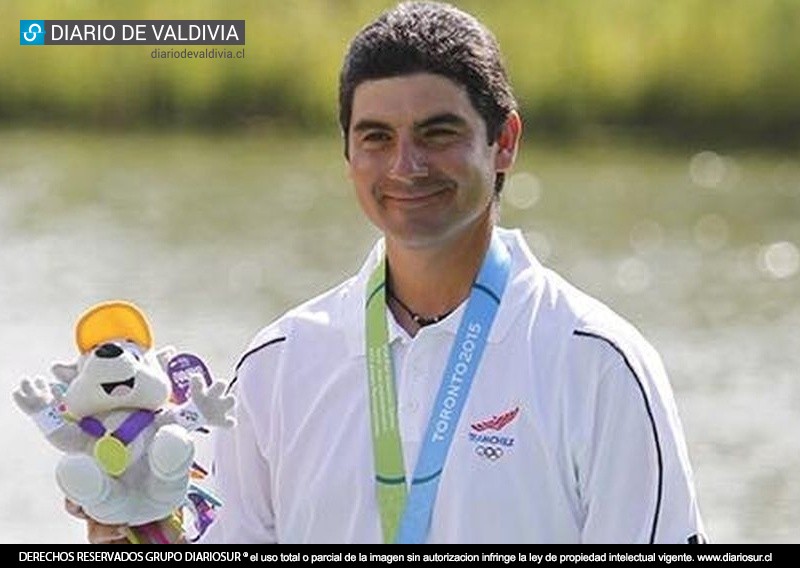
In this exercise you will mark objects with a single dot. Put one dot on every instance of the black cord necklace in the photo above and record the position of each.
(418, 319)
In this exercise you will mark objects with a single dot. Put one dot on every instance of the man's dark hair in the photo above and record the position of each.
(430, 37)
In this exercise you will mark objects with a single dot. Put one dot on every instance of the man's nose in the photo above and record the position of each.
(409, 161)
(108, 351)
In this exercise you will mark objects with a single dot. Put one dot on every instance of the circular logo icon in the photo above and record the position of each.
(31, 32)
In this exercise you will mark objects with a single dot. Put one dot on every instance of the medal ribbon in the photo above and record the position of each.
(406, 518)
(111, 449)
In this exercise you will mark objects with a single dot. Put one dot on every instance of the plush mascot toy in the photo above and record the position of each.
(124, 424)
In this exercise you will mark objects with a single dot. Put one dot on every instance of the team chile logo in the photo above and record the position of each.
(489, 444)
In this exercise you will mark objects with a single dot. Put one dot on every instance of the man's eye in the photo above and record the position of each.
(440, 134)
(376, 136)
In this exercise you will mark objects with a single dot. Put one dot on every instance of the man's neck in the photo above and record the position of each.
(434, 281)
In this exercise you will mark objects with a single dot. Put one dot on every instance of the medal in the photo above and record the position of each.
(112, 455)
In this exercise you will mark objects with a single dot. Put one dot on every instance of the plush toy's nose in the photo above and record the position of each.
(108, 351)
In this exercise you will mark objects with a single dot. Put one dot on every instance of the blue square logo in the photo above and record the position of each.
(31, 32)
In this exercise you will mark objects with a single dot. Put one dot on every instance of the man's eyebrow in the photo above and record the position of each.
(367, 124)
(444, 119)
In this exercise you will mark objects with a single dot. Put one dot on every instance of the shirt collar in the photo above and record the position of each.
(523, 281)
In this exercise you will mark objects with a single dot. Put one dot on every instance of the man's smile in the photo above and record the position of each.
(412, 197)
(417, 197)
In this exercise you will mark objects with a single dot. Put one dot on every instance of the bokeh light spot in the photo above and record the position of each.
(711, 232)
(707, 169)
(523, 190)
(633, 275)
(779, 260)
(646, 236)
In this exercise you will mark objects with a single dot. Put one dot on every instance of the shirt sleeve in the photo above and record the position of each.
(634, 476)
(241, 469)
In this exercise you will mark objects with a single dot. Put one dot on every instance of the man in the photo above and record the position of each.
(454, 390)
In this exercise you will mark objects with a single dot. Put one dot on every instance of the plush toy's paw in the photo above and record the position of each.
(215, 406)
(171, 453)
(33, 396)
(81, 480)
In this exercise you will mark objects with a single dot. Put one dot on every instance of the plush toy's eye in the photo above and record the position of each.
(134, 348)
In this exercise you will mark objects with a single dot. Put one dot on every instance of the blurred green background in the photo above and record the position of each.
(726, 70)
(660, 172)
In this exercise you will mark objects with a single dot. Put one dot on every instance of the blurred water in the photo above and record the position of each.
(215, 237)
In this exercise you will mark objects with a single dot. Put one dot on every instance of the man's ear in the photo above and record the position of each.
(508, 142)
(65, 373)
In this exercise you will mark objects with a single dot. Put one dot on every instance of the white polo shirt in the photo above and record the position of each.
(570, 432)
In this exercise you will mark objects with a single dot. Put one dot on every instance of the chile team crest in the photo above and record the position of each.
(489, 443)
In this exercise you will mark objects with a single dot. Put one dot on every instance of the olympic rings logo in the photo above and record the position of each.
(491, 453)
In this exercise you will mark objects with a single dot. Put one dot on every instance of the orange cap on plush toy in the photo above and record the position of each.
(112, 320)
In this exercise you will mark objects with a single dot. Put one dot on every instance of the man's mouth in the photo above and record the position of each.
(119, 388)
(415, 197)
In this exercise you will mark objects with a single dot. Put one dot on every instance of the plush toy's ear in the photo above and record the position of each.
(65, 373)
(165, 354)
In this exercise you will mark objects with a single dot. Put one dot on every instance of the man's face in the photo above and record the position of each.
(419, 158)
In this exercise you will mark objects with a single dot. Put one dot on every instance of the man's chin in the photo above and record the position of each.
(421, 236)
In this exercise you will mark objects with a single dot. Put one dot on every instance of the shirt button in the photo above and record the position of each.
(411, 406)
